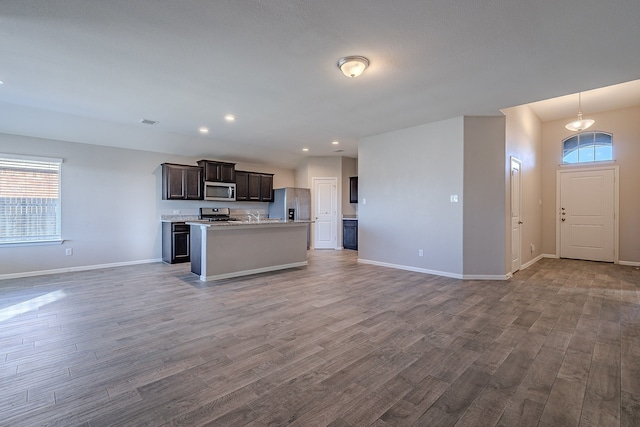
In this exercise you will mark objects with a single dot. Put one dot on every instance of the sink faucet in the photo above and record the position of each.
(251, 216)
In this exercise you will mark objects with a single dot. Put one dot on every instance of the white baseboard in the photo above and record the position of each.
(631, 263)
(531, 262)
(436, 272)
(550, 256)
(79, 268)
(253, 271)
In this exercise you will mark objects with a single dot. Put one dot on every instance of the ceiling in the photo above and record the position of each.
(88, 70)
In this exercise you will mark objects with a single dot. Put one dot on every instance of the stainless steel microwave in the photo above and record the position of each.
(223, 191)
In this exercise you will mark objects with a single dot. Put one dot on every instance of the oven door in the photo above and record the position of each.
(219, 191)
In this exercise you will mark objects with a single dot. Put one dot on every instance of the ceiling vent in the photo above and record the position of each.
(148, 122)
(338, 151)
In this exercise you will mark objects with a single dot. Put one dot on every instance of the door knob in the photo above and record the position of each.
(520, 222)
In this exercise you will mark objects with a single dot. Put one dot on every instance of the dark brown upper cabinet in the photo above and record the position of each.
(218, 171)
(254, 186)
(181, 182)
(353, 189)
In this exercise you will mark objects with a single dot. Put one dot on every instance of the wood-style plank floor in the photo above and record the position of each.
(337, 343)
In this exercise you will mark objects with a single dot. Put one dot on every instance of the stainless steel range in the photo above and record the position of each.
(214, 214)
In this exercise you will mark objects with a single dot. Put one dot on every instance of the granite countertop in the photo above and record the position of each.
(350, 217)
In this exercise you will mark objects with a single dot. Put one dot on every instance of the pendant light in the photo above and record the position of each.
(353, 66)
(580, 124)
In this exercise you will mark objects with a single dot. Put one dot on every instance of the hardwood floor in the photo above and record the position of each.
(337, 343)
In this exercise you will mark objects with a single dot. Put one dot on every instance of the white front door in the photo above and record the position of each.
(586, 217)
(325, 198)
(516, 220)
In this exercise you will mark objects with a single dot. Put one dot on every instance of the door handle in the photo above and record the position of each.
(520, 222)
(564, 219)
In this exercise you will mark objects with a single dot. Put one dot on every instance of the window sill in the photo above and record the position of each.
(588, 164)
(38, 243)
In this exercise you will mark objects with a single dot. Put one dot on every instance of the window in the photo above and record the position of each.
(587, 147)
(29, 199)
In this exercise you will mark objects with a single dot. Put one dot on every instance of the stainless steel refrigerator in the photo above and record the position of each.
(292, 204)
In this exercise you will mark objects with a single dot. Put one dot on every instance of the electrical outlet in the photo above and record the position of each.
(420, 252)
(68, 251)
(533, 248)
(364, 201)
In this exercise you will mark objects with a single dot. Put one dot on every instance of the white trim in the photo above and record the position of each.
(631, 263)
(616, 205)
(31, 158)
(33, 243)
(436, 272)
(74, 269)
(530, 263)
(253, 271)
(553, 256)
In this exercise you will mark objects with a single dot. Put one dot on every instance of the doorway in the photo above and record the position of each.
(325, 201)
(516, 219)
(587, 206)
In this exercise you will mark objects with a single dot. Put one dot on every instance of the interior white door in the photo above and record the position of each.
(586, 217)
(516, 220)
(325, 213)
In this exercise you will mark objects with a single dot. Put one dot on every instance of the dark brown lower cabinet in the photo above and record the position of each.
(350, 234)
(175, 242)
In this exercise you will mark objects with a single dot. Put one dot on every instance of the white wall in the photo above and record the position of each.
(406, 177)
(111, 205)
(524, 142)
(624, 125)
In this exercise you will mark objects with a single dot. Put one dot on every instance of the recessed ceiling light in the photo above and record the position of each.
(335, 142)
(203, 130)
(1, 82)
(230, 118)
(305, 149)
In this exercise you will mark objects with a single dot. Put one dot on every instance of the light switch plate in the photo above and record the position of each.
(454, 198)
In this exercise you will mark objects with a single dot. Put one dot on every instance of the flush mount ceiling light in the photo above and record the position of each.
(353, 66)
(335, 142)
(305, 149)
(579, 124)
(230, 118)
(203, 130)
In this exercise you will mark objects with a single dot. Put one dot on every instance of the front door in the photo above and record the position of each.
(325, 203)
(586, 217)
(516, 220)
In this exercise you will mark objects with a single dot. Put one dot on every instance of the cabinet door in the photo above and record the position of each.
(212, 171)
(227, 172)
(266, 188)
(254, 187)
(173, 178)
(181, 246)
(350, 234)
(242, 186)
(193, 183)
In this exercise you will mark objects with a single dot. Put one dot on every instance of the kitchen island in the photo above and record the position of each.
(221, 250)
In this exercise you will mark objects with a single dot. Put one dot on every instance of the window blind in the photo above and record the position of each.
(29, 199)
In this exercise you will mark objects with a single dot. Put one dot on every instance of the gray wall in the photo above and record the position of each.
(406, 178)
(524, 142)
(111, 205)
(484, 196)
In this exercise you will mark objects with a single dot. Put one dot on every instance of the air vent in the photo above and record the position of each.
(338, 151)
(148, 122)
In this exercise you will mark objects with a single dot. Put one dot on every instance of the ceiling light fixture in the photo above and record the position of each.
(353, 66)
(336, 142)
(305, 149)
(579, 124)
(230, 118)
(203, 130)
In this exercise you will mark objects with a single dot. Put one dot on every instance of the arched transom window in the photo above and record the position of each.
(587, 147)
